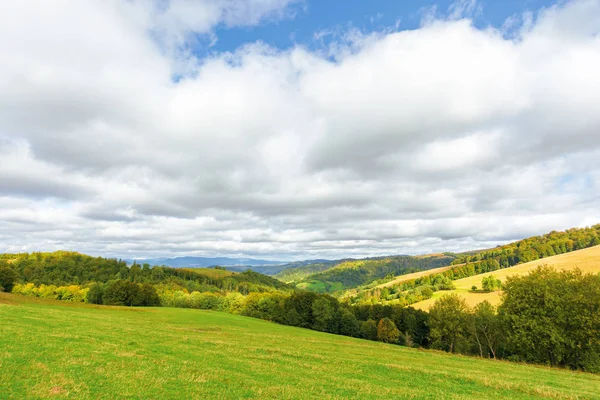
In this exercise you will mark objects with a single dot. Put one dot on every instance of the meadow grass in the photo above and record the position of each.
(587, 260)
(409, 277)
(60, 350)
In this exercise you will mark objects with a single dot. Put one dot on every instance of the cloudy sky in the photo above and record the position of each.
(292, 129)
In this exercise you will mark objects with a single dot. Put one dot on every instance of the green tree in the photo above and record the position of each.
(387, 331)
(490, 283)
(8, 277)
(554, 318)
(486, 329)
(368, 330)
(323, 313)
(95, 294)
(122, 293)
(449, 322)
(147, 296)
(349, 325)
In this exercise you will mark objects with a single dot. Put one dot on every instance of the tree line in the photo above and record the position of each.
(545, 317)
(533, 248)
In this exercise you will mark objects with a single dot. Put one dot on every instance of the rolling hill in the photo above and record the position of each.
(268, 267)
(300, 270)
(63, 268)
(354, 273)
(587, 260)
(59, 350)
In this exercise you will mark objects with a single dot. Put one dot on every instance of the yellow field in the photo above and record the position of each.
(587, 260)
(415, 275)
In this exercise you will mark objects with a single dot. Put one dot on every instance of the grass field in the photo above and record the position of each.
(59, 350)
(414, 275)
(588, 260)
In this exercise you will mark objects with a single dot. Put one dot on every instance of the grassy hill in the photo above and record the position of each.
(62, 268)
(299, 270)
(414, 275)
(58, 350)
(369, 271)
(588, 260)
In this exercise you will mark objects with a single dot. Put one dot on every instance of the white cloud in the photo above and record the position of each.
(444, 137)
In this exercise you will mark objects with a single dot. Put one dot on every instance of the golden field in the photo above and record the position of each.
(587, 260)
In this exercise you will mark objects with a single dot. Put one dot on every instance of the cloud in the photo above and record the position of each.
(446, 137)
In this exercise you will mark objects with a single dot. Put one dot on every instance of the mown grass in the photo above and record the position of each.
(587, 260)
(50, 349)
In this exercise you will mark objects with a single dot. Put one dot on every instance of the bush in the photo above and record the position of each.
(233, 303)
(490, 283)
(126, 293)
(73, 293)
(205, 301)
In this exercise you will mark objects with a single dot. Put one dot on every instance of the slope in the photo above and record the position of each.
(414, 275)
(58, 350)
(588, 260)
(370, 271)
(302, 269)
(63, 268)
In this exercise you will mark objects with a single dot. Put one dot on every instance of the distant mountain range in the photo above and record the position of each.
(201, 262)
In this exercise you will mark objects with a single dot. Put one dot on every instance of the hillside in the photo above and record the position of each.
(267, 267)
(354, 273)
(300, 270)
(419, 287)
(414, 275)
(588, 260)
(177, 353)
(534, 248)
(63, 268)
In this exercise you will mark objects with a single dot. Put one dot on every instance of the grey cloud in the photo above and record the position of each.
(405, 143)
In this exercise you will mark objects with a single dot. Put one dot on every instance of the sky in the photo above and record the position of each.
(295, 129)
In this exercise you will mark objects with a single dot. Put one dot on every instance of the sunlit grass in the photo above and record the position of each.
(587, 260)
(50, 349)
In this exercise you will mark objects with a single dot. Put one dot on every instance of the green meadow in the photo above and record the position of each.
(60, 350)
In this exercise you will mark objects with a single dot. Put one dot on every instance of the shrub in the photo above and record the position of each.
(233, 303)
(490, 283)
